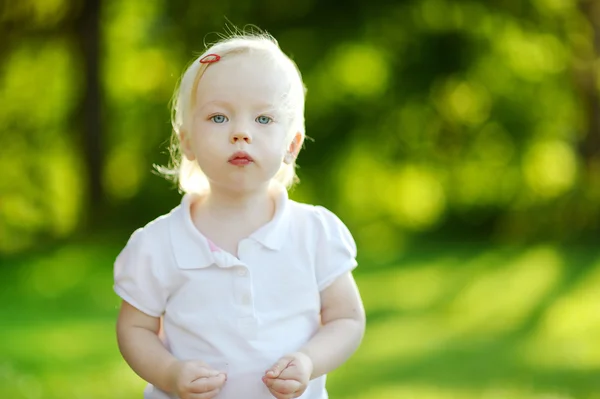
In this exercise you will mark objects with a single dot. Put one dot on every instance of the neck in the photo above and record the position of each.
(224, 204)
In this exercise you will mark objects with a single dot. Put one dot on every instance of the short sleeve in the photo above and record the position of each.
(137, 277)
(336, 249)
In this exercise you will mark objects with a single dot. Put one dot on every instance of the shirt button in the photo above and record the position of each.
(242, 272)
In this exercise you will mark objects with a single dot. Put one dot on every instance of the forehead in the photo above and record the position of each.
(243, 77)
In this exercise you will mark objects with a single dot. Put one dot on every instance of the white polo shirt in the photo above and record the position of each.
(238, 314)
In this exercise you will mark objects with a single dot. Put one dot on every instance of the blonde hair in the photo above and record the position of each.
(187, 173)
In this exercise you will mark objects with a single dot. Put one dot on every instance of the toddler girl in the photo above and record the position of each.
(252, 293)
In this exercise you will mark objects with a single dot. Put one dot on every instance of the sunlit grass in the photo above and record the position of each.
(499, 299)
(569, 331)
(106, 380)
(447, 322)
(406, 391)
(64, 358)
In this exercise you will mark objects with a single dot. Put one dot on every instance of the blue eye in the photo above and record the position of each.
(218, 118)
(264, 120)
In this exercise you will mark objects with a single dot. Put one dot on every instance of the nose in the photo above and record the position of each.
(241, 136)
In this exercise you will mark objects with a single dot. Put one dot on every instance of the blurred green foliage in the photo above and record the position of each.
(426, 115)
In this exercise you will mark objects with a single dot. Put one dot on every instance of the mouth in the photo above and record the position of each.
(240, 158)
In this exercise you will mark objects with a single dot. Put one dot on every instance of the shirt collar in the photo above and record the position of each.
(273, 234)
(193, 250)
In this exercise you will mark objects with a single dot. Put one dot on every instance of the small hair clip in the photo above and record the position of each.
(210, 58)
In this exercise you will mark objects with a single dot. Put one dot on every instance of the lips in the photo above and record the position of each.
(240, 158)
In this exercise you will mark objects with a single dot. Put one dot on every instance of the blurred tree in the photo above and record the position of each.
(589, 84)
(427, 115)
(49, 54)
(87, 36)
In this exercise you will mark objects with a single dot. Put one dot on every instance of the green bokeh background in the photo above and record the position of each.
(459, 141)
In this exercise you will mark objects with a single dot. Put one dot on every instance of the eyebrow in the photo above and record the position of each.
(261, 106)
(219, 103)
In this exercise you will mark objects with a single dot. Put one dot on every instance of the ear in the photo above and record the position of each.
(186, 146)
(294, 148)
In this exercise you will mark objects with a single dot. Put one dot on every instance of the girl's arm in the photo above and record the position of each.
(342, 329)
(141, 347)
(343, 325)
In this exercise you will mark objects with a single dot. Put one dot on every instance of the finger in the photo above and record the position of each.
(268, 381)
(291, 372)
(199, 363)
(281, 395)
(205, 395)
(205, 371)
(278, 367)
(206, 384)
(285, 387)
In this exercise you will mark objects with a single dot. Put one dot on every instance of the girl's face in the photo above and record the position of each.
(238, 135)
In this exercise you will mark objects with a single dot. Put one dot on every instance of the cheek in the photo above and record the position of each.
(208, 136)
(275, 141)
(207, 152)
(274, 155)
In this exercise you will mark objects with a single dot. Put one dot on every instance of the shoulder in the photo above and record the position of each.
(313, 214)
(332, 243)
(143, 270)
(315, 218)
(154, 237)
(160, 227)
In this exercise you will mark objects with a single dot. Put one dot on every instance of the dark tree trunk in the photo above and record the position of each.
(590, 146)
(88, 39)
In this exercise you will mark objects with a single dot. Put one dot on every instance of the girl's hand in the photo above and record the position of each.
(289, 377)
(196, 380)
